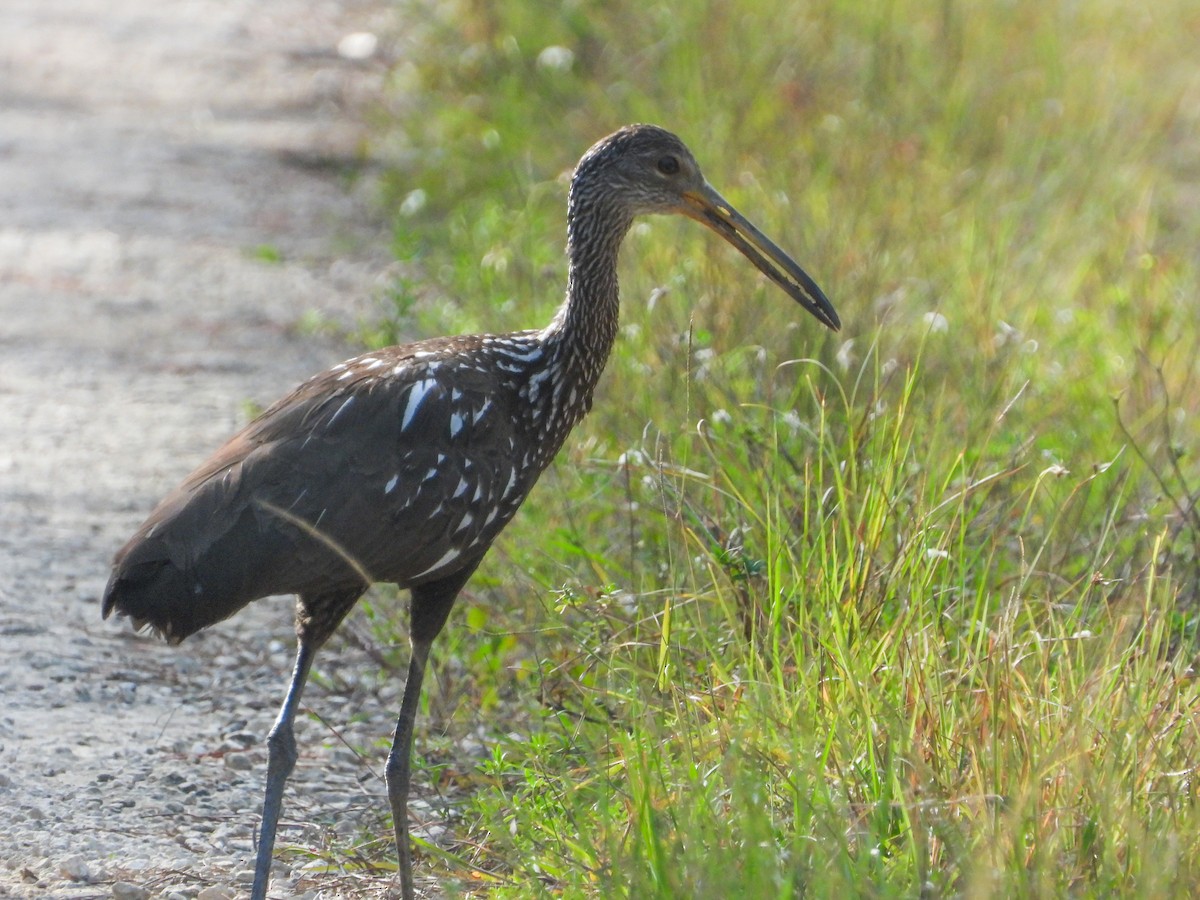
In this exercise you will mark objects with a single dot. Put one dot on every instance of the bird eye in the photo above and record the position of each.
(668, 165)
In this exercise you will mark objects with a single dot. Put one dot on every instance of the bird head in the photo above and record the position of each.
(645, 169)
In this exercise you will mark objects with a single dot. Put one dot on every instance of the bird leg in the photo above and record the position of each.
(430, 606)
(281, 759)
(399, 763)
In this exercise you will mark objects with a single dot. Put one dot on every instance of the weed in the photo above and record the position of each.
(905, 611)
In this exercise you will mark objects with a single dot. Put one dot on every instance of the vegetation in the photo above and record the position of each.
(906, 610)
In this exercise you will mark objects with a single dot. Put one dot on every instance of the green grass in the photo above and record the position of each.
(907, 610)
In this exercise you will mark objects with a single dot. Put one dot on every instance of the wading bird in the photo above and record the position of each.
(404, 464)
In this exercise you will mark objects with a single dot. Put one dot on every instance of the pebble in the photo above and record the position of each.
(216, 893)
(75, 868)
(239, 762)
(123, 890)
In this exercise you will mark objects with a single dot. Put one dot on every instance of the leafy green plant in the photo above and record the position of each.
(902, 611)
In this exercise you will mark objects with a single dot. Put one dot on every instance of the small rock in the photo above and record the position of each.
(123, 890)
(5, 781)
(239, 762)
(75, 868)
(216, 893)
(432, 833)
(357, 46)
(473, 747)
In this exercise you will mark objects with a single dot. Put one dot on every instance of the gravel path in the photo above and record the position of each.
(146, 149)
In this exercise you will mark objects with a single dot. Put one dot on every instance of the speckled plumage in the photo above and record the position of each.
(403, 465)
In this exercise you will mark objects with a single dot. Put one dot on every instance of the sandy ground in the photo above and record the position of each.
(146, 149)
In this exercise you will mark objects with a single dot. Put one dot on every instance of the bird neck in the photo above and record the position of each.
(585, 326)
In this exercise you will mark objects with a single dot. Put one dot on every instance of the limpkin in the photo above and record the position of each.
(404, 464)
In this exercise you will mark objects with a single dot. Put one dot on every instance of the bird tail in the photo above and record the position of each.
(177, 586)
(158, 595)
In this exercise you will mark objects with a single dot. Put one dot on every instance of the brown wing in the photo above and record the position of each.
(396, 466)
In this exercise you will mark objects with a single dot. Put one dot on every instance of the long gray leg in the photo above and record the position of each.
(281, 759)
(431, 604)
(399, 763)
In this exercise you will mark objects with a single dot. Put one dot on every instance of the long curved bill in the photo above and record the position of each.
(707, 206)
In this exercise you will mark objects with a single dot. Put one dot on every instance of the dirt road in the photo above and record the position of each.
(170, 194)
